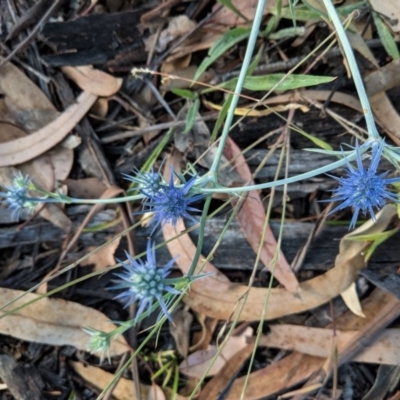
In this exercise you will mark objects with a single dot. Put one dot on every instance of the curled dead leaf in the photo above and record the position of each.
(93, 81)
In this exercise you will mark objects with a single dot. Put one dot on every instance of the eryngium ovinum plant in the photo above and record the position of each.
(144, 282)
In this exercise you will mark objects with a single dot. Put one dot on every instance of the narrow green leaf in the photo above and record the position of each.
(227, 40)
(292, 5)
(256, 60)
(221, 118)
(275, 81)
(228, 4)
(386, 37)
(191, 115)
(186, 94)
(287, 33)
(318, 142)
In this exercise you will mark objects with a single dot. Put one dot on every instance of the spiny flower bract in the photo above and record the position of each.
(142, 281)
(16, 195)
(363, 189)
(99, 342)
(172, 203)
(148, 182)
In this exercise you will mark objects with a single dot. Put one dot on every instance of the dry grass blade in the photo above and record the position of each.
(251, 218)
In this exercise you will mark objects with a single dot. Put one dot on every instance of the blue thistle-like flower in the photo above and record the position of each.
(16, 195)
(171, 203)
(144, 282)
(363, 189)
(148, 182)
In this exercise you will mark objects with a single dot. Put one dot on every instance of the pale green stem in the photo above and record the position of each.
(242, 76)
(348, 51)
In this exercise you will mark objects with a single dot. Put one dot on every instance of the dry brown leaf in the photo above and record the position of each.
(93, 81)
(297, 367)
(125, 388)
(26, 148)
(102, 258)
(88, 188)
(387, 116)
(21, 96)
(350, 297)
(198, 363)
(180, 329)
(53, 321)
(318, 341)
(177, 26)
(389, 9)
(219, 298)
(248, 8)
(219, 382)
(251, 218)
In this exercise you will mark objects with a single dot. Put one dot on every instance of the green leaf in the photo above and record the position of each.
(308, 13)
(256, 60)
(191, 115)
(221, 118)
(318, 142)
(186, 94)
(386, 37)
(275, 82)
(376, 240)
(287, 33)
(224, 43)
(228, 4)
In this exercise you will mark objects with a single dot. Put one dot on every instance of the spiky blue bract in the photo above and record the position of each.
(363, 189)
(172, 203)
(16, 195)
(148, 182)
(143, 282)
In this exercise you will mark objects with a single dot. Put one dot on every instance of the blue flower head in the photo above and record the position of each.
(363, 189)
(17, 196)
(148, 182)
(142, 281)
(172, 203)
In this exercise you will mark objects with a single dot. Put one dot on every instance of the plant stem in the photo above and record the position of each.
(348, 51)
(242, 76)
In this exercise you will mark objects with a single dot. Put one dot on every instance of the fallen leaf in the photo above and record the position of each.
(198, 363)
(103, 257)
(317, 342)
(26, 148)
(93, 81)
(297, 367)
(390, 10)
(53, 321)
(219, 382)
(180, 329)
(177, 26)
(247, 8)
(350, 297)
(216, 297)
(88, 188)
(124, 389)
(251, 218)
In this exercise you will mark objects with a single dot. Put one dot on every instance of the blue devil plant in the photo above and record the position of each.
(364, 189)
